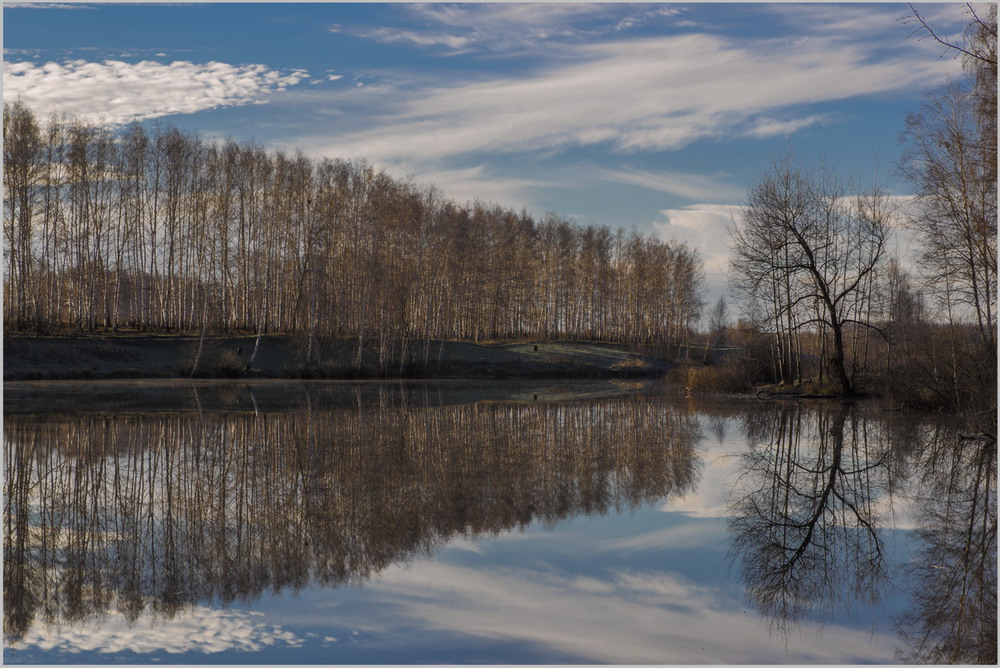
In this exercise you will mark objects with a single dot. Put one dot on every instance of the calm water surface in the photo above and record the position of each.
(320, 523)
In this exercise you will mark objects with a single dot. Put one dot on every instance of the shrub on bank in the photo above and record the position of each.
(735, 375)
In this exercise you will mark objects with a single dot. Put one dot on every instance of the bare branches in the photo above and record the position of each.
(950, 157)
(812, 255)
(169, 232)
(990, 28)
(804, 512)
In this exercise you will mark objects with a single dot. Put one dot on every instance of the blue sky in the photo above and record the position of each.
(653, 116)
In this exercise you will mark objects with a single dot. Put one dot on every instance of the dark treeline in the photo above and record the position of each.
(153, 513)
(159, 230)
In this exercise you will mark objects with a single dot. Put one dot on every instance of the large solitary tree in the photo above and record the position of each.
(810, 250)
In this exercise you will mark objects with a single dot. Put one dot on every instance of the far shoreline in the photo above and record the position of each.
(122, 356)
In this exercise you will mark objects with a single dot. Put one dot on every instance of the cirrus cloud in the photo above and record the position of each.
(653, 94)
(120, 92)
(508, 28)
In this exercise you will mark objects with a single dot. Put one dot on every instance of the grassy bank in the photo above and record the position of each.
(108, 356)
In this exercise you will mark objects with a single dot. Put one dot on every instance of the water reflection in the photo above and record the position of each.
(954, 575)
(119, 513)
(154, 513)
(806, 511)
(814, 499)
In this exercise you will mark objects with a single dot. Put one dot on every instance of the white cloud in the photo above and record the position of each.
(507, 15)
(398, 35)
(45, 5)
(511, 27)
(868, 22)
(701, 226)
(711, 497)
(768, 127)
(689, 186)
(689, 535)
(636, 95)
(118, 92)
(472, 183)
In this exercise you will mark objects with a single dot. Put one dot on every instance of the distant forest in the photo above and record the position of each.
(157, 230)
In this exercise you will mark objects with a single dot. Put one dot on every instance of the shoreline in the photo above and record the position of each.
(122, 356)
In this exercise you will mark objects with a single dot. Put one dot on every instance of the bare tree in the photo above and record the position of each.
(22, 152)
(951, 158)
(953, 580)
(106, 227)
(253, 501)
(811, 250)
(805, 515)
(981, 27)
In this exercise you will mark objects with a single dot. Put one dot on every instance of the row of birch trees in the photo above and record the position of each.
(159, 230)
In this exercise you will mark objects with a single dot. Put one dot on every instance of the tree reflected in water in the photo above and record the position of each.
(815, 497)
(806, 512)
(953, 576)
(145, 513)
(153, 513)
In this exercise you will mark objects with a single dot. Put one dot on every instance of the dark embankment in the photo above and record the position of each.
(174, 356)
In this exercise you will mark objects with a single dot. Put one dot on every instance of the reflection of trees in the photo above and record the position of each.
(954, 574)
(805, 512)
(805, 522)
(156, 512)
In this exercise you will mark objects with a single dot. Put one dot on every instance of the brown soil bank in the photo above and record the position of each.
(170, 356)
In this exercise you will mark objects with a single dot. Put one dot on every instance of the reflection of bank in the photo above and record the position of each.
(806, 523)
(805, 520)
(154, 514)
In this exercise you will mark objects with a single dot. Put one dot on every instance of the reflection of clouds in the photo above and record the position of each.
(685, 535)
(710, 499)
(899, 511)
(652, 617)
(465, 544)
(199, 630)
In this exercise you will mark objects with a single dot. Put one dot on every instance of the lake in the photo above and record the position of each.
(501, 523)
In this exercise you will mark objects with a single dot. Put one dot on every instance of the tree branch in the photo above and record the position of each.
(949, 45)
